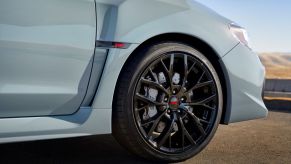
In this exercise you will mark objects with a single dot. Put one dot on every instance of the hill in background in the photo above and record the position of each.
(278, 65)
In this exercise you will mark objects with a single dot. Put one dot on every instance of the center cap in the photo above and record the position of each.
(174, 102)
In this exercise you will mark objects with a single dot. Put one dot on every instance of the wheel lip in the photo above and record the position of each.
(207, 64)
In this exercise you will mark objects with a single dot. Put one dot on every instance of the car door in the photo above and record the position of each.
(46, 53)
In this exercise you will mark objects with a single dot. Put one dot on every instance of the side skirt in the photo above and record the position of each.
(86, 121)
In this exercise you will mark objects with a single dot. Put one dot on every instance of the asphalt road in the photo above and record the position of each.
(259, 141)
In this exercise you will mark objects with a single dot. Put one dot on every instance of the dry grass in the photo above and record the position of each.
(278, 65)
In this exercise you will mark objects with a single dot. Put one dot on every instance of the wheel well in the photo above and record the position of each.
(205, 49)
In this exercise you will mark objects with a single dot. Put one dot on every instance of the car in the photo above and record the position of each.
(159, 75)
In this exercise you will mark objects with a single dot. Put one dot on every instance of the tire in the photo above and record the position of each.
(160, 103)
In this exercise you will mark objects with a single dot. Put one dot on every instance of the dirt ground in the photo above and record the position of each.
(259, 141)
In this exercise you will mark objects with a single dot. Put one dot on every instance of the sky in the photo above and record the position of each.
(268, 22)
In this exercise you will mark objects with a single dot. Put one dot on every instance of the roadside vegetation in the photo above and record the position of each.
(278, 65)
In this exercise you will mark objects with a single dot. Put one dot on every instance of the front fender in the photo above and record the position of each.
(134, 21)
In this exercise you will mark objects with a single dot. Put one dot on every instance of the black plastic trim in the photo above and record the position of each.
(227, 110)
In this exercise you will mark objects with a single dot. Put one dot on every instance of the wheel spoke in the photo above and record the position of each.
(151, 120)
(193, 65)
(153, 75)
(198, 124)
(197, 83)
(185, 71)
(164, 66)
(155, 123)
(147, 122)
(202, 102)
(201, 105)
(149, 101)
(154, 84)
(182, 90)
(196, 120)
(204, 121)
(171, 71)
(185, 66)
(209, 107)
(142, 108)
(170, 141)
(185, 133)
(165, 134)
(168, 74)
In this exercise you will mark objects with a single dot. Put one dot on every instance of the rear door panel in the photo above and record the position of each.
(46, 55)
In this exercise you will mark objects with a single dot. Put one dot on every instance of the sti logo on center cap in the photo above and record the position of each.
(174, 102)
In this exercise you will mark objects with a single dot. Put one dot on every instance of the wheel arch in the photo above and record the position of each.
(205, 49)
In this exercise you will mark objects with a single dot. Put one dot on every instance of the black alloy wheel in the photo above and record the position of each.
(173, 104)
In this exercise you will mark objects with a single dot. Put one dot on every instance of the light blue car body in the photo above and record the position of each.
(55, 82)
